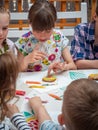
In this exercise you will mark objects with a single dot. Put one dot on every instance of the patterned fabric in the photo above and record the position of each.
(52, 47)
(8, 46)
(18, 121)
(50, 125)
(82, 45)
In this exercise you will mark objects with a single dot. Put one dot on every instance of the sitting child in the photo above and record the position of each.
(5, 43)
(79, 109)
(8, 74)
(44, 47)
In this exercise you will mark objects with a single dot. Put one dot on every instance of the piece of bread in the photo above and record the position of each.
(93, 76)
(49, 78)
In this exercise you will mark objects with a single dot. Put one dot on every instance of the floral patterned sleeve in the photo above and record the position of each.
(26, 43)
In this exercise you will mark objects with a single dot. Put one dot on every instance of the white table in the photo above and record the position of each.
(63, 79)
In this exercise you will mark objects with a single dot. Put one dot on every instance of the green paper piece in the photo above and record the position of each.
(76, 75)
(27, 114)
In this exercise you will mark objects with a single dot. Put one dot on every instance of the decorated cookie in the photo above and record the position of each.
(93, 76)
(49, 78)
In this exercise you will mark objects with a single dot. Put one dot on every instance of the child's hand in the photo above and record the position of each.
(32, 57)
(38, 55)
(12, 109)
(57, 66)
(39, 109)
(35, 103)
(35, 56)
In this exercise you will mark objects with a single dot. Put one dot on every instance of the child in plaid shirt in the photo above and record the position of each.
(84, 46)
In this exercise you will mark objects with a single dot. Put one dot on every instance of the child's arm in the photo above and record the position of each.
(17, 118)
(86, 64)
(32, 57)
(39, 110)
(68, 63)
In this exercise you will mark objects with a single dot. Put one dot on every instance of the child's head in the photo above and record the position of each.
(8, 73)
(42, 17)
(4, 23)
(80, 105)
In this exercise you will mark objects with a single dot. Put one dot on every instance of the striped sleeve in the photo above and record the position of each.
(4, 127)
(19, 122)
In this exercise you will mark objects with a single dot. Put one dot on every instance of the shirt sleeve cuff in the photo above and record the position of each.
(19, 122)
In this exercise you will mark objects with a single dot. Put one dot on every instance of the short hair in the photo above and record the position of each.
(42, 15)
(81, 105)
(9, 69)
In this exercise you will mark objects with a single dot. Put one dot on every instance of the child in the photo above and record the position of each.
(79, 109)
(84, 46)
(8, 74)
(44, 46)
(5, 44)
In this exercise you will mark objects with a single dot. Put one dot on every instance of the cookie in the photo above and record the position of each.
(93, 76)
(49, 78)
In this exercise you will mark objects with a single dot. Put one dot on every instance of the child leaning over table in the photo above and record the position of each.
(5, 43)
(8, 73)
(43, 46)
(79, 109)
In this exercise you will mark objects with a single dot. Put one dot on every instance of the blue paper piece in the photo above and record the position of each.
(76, 75)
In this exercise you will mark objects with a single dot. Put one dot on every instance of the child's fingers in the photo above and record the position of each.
(12, 109)
(52, 67)
(49, 71)
(39, 54)
(42, 54)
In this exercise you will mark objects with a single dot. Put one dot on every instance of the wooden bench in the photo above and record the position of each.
(68, 31)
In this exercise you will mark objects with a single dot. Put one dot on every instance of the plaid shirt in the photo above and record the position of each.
(82, 45)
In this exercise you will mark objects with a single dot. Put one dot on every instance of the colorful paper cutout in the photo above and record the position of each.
(31, 120)
(76, 75)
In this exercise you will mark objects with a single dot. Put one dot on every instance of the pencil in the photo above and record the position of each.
(35, 86)
(32, 82)
(55, 96)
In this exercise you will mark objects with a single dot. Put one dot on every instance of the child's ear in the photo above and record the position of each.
(61, 119)
(94, 16)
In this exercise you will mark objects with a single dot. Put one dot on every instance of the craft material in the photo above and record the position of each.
(76, 75)
(93, 76)
(55, 96)
(32, 82)
(49, 78)
(35, 86)
(20, 92)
